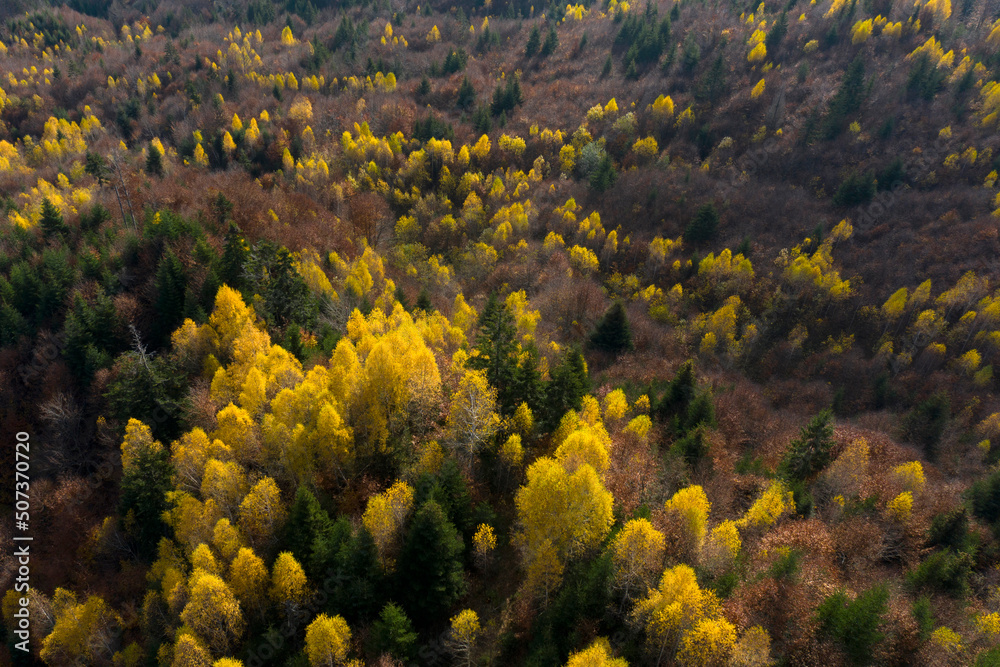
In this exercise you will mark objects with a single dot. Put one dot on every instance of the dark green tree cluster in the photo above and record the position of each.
(686, 412)
(810, 452)
(703, 226)
(613, 333)
(507, 96)
(855, 624)
(642, 38)
(848, 99)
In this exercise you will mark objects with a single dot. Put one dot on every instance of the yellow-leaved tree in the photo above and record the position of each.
(561, 515)
(138, 439)
(83, 633)
(673, 610)
(384, 519)
(212, 611)
(598, 654)
(189, 652)
(248, 579)
(692, 505)
(465, 629)
(289, 586)
(261, 512)
(638, 557)
(327, 641)
(473, 419)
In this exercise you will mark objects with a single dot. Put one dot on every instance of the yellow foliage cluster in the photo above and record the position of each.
(646, 149)
(384, 518)
(861, 31)
(725, 268)
(681, 616)
(662, 108)
(563, 509)
(719, 327)
(769, 507)
(817, 270)
(598, 654)
(901, 506)
(583, 259)
(693, 506)
(68, 199)
(933, 50)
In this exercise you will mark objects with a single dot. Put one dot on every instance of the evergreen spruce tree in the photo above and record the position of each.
(306, 522)
(234, 259)
(171, 287)
(359, 594)
(568, 384)
(776, 33)
(847, 100)
(679, 393)
(429, 569)
(605, 175)
(143, 498)
(466, 94)
(810, 452)
(714, 84)
(497, 346)
(608, 64)
(613, 333)
(154, 161)
(527, 386)
(423, 301)
(551, 42)
(534, 42)
(393, 633)
(704, 225)
(52, 220)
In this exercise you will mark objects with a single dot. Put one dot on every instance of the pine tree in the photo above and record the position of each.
(496, 344)
(429, 571)
(847, 100)
(171, 286)
(143, 498)
(527, 383)
(631, 71)
(52, 220)
(534, 42)
(361, 591)
(423, 301)
(606, 70)
(568, 385)
(234, 259)
(703, 226)
(97, 167)
(613, 333)
(810, 452)
(551, 42)
(777, 33)
(393, 633)
(604, 175)
(466, 94)
(714, 84)
(680, 391)
(692, 446)
(307, 522)
(154, 161)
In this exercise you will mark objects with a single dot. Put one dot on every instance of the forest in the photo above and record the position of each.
(478, 332)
